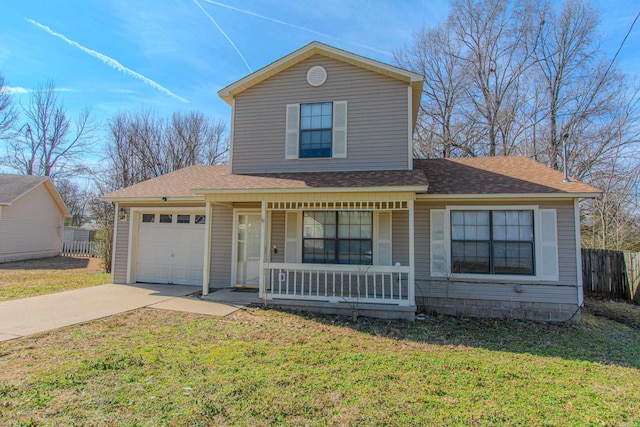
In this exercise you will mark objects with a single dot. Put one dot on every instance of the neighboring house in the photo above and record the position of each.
(78, 234)
(31, 218)
(323, 206)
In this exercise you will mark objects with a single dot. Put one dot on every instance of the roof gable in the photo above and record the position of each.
(316, 48)
(13, 187)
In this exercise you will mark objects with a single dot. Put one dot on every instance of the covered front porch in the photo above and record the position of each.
(281, 244)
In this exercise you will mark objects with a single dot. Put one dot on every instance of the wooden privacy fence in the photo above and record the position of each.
(82, 249)
(612, 274)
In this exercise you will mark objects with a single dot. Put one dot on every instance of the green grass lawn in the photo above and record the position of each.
(264, 367)
(47, 275)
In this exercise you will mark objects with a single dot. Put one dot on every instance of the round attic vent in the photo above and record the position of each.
(316, 76)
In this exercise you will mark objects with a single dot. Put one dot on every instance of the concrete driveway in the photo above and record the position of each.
(27, 316)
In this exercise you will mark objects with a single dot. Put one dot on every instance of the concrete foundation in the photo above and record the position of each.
(538, 311)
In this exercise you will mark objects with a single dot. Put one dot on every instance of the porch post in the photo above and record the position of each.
(206, 266)
(263, 242)
(411, 284)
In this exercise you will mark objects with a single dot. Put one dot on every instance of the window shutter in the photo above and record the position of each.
(340, 129)
(382, 255)
(548, 245)
(292, 252)
(438, 255)
(293, 124)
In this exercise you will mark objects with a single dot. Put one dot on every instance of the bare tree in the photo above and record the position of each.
(436, 54)
(142, 146)
(8, 113)
(495, 55)
(77, 200)
(48, 143)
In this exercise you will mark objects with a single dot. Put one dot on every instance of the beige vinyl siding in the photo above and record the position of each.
(121, 248)
(563, 292)
(31, 227)
(377, 114)
(400, 237)
(277, 235)
(221, 242)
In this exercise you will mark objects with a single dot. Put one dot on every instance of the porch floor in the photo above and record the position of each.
(379, 311)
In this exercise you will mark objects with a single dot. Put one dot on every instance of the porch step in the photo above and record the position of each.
(378, 311)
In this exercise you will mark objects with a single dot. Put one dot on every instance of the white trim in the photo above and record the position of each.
(412, 268)
(410, 125)
(113, 241)
(496, 277)
(579, 283)
(263, 240)
(232, 134)
(520, 196)
(389, 189)
(134, 221)
(206, 267)
(154, 199)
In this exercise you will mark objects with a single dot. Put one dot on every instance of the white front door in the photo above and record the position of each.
(248, 249)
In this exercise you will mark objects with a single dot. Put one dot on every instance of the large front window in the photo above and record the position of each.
(492, 242)
(315, 129)
(343, 237)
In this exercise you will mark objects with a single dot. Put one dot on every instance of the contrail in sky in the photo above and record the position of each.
(297, 27)
(224, 34)
(109, 61)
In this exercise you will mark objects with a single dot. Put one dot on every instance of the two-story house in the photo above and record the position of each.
(323, 206)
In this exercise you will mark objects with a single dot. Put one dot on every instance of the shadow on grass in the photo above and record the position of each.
(594, 338)
(51, 263)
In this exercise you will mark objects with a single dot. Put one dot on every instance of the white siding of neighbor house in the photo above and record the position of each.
(377, 111)
(564, 291)
(31, 227)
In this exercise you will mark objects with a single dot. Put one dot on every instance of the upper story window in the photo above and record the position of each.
(316, 123)
(317, 130)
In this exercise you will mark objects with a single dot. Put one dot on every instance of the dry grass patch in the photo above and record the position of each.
(255, 367)
(47, 275)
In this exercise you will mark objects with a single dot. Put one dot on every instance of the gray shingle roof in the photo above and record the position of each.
(14, 186)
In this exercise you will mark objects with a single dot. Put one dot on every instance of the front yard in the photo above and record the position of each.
(264, 367)
(47, 275)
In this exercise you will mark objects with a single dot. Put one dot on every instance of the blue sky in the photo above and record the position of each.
(174, 55)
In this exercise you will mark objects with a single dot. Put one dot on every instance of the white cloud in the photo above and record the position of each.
(108, 61)
(17, 90)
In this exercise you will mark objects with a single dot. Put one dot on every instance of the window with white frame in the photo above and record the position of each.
(316, 130)
(492, 242)
(337, 237)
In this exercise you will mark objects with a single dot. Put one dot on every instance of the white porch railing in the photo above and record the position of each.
(339, 283)
(81, 249)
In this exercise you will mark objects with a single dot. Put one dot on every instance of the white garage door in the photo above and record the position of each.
(170, 248)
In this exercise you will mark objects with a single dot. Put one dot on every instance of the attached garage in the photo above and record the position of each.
(170, 247)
